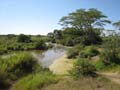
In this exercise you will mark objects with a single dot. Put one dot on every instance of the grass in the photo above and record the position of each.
(112, 68)
(100, 66)
(35, 81)
(18, 61)
(15, 67)
(99, 83)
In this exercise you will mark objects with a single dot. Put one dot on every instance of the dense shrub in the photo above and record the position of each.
(4, 81)
(82, 67)
(74, 52)
(69, 42)
(24, 38)
(89, 51)
(111, 51)
(99, 65)
(91, 38)
(3, 50)
(108, 57)
(78, 40)
(40, 45)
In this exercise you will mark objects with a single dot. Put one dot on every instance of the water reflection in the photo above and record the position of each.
(46, 58)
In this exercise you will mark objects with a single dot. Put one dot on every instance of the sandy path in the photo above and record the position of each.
(61, 65)
(115, 77)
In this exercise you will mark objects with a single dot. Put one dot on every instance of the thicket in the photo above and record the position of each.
(82, 67)
(82, 51)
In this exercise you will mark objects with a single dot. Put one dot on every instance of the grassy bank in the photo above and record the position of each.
(35, 81)
(21, 71)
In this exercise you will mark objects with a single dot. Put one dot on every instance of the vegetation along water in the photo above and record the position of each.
(79, 56)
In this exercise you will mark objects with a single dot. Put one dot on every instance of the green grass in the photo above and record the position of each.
(15, 67)
(89, 51)
(35, 81)
(20, 60)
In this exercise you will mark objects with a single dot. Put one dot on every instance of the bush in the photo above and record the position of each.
(24, 38)
(82, 67)
(19, 65)
(108, 57)
(35, 81)
(89, 51)
(40, 45)
(3, 51)
(74, 52)
(4, 81)
(99, 65)
(69, 42)
(91, 37)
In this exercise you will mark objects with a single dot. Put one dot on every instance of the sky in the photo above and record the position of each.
(42, 16)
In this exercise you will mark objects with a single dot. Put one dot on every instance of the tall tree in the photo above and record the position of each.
(83, 19)
(88, 22)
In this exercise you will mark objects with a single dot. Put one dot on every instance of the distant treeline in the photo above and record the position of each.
(22, 42)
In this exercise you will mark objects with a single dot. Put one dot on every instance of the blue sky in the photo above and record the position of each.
(42, 16)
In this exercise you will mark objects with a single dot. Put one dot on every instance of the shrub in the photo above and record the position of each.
(35, 81)
(24, 38)
(19, 65)
(40, 45)
(3, 51)
(4, 81)
(82, 67)
(89, 51)
(74, 52)
(110, 56)
(69, 42)
(99, 65)
(91, 37)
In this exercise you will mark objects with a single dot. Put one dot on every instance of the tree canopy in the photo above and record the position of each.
(24, 38)
(83, 19)
(117, 25)
(83, 26)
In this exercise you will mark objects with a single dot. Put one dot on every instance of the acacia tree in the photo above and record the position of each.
(117, 25)
(85, 21)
